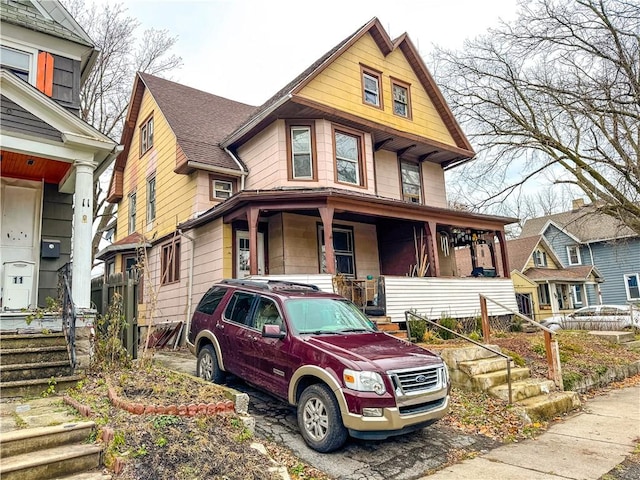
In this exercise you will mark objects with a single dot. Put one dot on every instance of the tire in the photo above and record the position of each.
(319, 419)
(207, 366)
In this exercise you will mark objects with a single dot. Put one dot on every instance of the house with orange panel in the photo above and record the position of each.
(337, 180)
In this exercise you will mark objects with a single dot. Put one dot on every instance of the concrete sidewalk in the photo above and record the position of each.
(583, 447)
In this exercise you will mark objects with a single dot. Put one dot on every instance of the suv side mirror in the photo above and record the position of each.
(272, 331)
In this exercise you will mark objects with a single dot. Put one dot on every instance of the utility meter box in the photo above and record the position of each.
(17, 285)
(50, 249)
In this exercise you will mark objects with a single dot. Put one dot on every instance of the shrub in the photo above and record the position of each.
(417, 329)
(451, 324)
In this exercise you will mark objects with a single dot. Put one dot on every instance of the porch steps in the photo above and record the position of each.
(31, 363)
(50, 452)
(385, 324)
(477, 369)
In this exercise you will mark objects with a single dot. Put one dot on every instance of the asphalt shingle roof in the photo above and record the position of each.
(520, 250)
(200, 120)
(569, 273)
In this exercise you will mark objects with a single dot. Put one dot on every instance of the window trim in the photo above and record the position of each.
(362, 172)
(170, 274)
(544, 287)
(289, 125)
(212, 190)
(577, 249)
(627, 277)
(402, 194)
(536, 256)
(574, 294)
(143, 132)
(133, 212)
(340, 228)
(27, 50)
(407, 86)
(371, 72)
(150, 219)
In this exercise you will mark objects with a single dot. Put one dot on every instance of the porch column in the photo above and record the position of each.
(252, 219)
(492, 252)
(82, 235)
(326, 213)
(432, 249)
(503, 253)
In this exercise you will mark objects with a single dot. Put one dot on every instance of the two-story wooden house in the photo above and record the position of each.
(48, 155)
(337, 180)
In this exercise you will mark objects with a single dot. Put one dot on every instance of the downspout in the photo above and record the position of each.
(596, 287)
(244, 173)
(190, 284)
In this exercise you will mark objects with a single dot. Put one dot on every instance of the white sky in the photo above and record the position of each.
(247, 50)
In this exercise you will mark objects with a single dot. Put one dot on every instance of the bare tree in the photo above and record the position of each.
(556, 93)
(105, 95)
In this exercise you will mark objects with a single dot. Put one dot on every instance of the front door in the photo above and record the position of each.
(242, 254)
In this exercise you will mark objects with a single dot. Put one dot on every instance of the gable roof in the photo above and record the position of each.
(199, 120)
(586, 224)
(386, 46)
(582, 272)
(520, 250)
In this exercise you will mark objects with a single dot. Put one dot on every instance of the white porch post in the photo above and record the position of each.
(82, 229)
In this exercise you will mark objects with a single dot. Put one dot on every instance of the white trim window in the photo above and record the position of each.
(21, 61)
(371, 86)
(577, 294)
(573, 254)
(301, 152)
(151, 200)
(222, 189)
(540, 258)
(632, 286)
(543, 294)
(132, 213)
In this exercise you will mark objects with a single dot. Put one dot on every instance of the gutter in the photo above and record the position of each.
(243, 173)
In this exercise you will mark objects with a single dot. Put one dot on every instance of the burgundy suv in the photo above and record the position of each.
(319, 352)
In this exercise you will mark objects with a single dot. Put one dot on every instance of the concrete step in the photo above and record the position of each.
(35, 387)
(635, 345)
(545, 407)
(96, 475)
(484, 365)
(485, 381)
(614, 337)
(387, 326)
(522, 389)
(13, 356)
(12, 341)
(51, 463)
(17, 442)
(29, 371)
(453, 356)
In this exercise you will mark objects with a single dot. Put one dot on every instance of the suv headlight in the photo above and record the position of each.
(364, 381)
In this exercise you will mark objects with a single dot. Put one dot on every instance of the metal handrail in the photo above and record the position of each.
(408, 313)
(68, 315)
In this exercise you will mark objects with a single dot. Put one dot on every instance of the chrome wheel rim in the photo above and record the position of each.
(316, 420)
(206, 367)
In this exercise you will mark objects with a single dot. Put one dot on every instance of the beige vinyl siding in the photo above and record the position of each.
(276, 245)
(208, 260)
(387, 174)
(301, 246)
(433, 185)
(265, 155)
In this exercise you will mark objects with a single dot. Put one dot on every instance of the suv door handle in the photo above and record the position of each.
(219, 326)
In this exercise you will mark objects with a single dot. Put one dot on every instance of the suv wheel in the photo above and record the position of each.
(207, 366)
(319, 419)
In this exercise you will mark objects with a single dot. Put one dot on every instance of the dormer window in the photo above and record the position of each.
(371, 87)
(540, 258)
(573, 253)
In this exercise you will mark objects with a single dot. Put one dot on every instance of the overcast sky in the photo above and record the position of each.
(247, 50)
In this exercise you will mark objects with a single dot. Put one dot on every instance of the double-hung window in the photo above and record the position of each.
(401, 99)
(348, 151)
(301, 151)
(540, 258)
(543, 294)
(371, 87)
(410, 176)
(632, 285)
(151, 199)
(573, 254)
(18, 62)
(577, 294)
(146, 135)
(170, 262)
(132, 213)
(342, 248)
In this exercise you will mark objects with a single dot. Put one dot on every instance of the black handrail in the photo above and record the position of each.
(68, 312)
(435, 324)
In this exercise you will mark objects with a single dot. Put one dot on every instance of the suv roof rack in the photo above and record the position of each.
(270, 285)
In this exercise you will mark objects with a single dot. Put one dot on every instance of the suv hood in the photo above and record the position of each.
(373, 351)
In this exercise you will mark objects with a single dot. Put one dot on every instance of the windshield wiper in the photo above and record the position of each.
(349, 330)
(321, 332)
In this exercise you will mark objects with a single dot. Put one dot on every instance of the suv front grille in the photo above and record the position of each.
(417, 380)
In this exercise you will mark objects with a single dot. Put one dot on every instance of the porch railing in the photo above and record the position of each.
(68, 312)
(508, 359)
(551, 346)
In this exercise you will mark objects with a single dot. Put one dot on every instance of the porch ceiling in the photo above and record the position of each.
(29, 167)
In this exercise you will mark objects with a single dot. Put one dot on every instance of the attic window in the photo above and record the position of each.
(17, 62)
(540, 258)
(371, 91)
(401, 98)
(146, 135)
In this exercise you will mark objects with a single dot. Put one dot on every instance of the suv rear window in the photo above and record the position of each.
(239, 306)
(211, 300)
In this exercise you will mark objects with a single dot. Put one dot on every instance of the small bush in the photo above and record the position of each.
(417, 329)
(451, 324)
(571, 379)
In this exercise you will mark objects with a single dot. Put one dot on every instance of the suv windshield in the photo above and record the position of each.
(326, 315)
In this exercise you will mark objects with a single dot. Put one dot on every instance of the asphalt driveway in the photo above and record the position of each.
(404, 457)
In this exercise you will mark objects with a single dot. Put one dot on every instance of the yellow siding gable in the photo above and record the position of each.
(550, 260)
(175, 194)
(339, 86)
